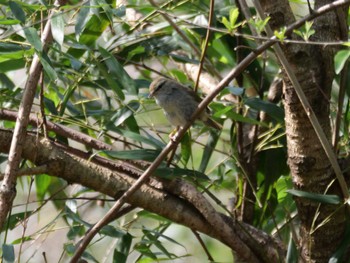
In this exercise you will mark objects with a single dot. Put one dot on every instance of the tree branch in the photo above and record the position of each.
(154, 197)
(7, 188)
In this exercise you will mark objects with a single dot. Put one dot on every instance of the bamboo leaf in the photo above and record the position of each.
(320, 198)
(17, 11)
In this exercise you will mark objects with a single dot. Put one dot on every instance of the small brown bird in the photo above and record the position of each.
(178, 102)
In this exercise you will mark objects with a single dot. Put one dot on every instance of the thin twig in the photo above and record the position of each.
(206, 251)
(206, 43)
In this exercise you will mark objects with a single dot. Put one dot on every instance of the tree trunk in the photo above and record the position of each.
(310, 168)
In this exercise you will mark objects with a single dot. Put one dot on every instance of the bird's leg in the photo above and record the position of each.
(173, 135)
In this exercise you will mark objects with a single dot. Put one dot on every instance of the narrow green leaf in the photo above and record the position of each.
(60, 197)
(93, 30)
(209, 149)
(339, 60)
(5, 21)
(139, 138)
(118, 71)
(16, 218)
(122, 249)
(234, 13)
(33, 38)
(170, 173)
(49, 70)
(57, 25)
(82, 18)
(122, 115)
(292, 252)
(15, 55)
(238, 91)
(21, 240)
(75, 231)
(10, 65)
(10, 47)
(226, 23)
(17, 11)
(112, 231)
(42, 183)
(113, 84)
(144, 154)
(320, 198)
(230, 113)
(186, 148)
(271, 109)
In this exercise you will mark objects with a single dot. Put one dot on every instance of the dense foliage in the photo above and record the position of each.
(96, 74)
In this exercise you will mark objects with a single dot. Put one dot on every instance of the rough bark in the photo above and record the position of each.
(310, 168)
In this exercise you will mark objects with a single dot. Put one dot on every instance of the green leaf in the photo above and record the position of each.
(292, 252)
(42, 183)
(170, 173)
(21, 240)
(226, 23)
(10, 65)
(113, 84)
(259, 24)
(231, 24)
(75, 231)
(17, 218)
(60, 197)
(112, 231)
(93, 30)
(122, 249)
(82, 18)
(142, 139)
(144, 154)
(234, 13)
(238, 91)
(10, 47)
(271, 109)
(17, 11)
(339, 60)
(122, 114)
(49, 70)
(20, 54)
(209, 149)
(186, 148)
(33, 38)
(57, 25)
(8, 253)
(320, 198)
(118, 71)
(5, 21)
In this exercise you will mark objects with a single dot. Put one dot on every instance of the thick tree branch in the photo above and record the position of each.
(155, 198)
